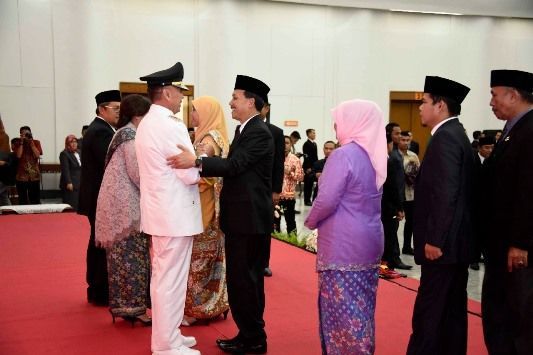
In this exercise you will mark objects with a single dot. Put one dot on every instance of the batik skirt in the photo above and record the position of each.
(207, 295)
(346, 303)
(128, 267)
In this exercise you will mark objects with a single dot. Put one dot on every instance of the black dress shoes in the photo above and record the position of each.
(267, 272)
(228, 341)
(400, 265)
(239, 347)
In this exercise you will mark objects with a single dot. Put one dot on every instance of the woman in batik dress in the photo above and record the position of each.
(118, 219)
(347, 213)
(207, 296)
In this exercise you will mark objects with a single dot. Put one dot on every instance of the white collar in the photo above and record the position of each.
(245, 122)
(434, 129)
(113, 128)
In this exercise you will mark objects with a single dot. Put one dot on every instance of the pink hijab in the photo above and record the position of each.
(69, 139)
(361, 121)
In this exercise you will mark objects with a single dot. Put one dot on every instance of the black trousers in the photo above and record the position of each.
(309, 181)
(288, 207)
(408, 208)
(439, 316)
(245, 279)
(507, 306)
(29, 192)
(70, 197)
(391, 250)
(98, 289)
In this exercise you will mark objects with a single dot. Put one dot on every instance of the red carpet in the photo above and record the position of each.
(44, 309)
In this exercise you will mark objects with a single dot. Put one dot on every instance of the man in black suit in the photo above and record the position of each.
(443, 231)
(507, 295)
(95, 143)
(484, 148)
(392, 210)
(310, 156)
(413, 145)
(277, 174)
(318, 166)
(396, 176)
(246, 211)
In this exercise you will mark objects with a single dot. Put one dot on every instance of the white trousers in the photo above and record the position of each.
(171, 260)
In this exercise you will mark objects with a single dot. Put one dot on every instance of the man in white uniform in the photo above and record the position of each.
(170, 208)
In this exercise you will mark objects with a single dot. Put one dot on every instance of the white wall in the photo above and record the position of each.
(57, 54)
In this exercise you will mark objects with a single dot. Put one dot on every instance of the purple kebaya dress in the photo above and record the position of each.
(347, 213)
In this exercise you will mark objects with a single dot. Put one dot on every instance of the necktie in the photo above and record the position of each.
(504, 133)
(237, 133)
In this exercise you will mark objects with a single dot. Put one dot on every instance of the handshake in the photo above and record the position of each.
(203, 149)
(187, 159)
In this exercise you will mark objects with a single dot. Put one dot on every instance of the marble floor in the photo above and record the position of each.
(475, 278)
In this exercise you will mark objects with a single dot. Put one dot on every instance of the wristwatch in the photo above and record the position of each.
(198, 162)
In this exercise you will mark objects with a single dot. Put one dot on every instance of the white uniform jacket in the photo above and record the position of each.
(170, 202)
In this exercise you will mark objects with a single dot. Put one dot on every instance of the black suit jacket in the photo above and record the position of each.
(95, 144)
(398, 172)
(393, 197)
(414, 147)
(70, 170)
(246, 196)
(8, 171)
(310, 154)
(509, 171)
(444, 197)
(318, 167)
(279, 157)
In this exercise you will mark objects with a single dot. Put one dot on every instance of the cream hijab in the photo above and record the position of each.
(211, 118)
(361, 121)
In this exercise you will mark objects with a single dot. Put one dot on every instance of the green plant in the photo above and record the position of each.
(291, 238)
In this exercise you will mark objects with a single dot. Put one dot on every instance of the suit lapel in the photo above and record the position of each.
(73, 158)
(500, 147)
(445, 126)
(235, 142)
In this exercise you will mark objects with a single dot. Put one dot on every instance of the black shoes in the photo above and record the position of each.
(236, 346)
(474, 266)
(399, 265)
(308, 204)
(267, 272)
(228, 341)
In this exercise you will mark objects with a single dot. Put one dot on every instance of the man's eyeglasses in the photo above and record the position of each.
(114, 108)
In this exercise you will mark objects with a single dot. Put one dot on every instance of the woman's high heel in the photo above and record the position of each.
(226, 314)
(112, 315)
(144, 319)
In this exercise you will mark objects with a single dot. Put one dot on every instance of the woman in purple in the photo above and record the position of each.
(347, 213)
